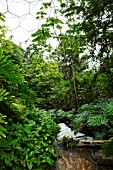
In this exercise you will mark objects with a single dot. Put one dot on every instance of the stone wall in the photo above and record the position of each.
(83, 159)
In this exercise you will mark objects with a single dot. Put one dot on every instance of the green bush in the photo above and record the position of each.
(108, 147)
(67, 142)
(60, 116)
(29, 142)
(95, 119)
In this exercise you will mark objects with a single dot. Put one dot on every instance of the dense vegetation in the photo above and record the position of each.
(42, 86)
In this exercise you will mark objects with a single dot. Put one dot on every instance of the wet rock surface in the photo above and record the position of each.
(99, 157)
(84, 156)
(83, 159)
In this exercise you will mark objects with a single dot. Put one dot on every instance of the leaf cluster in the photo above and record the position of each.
(29, 144)
(60, 116)
(95, 119)
(108, 147)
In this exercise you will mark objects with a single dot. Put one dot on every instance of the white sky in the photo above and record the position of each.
(21, 18)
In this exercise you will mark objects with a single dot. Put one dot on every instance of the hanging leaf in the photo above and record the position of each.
(17, 107)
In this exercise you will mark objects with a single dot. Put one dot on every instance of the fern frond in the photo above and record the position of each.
(10, 70)
(3, 94)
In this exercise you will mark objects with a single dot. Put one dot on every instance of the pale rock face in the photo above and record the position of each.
(65, 131)
(79, 135)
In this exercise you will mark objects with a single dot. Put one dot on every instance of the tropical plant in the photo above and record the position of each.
(60, 116)
(61, 79)
(108, 147)
(29, 132)
(68, 142)
(3, 28)
(43, 77)
(29, 142)
(95, 119)
(2, 122)
(94, 18)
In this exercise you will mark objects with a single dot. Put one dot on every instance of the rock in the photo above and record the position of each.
(81, 136)
(89, 138)
(65, 131)
(55, 143)
(94, 144)
(78, 135)
(81, 159)
(85, 138)
(99, 157)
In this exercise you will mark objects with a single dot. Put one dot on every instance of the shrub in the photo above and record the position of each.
(95, 119)
(60, 116)
(29, 142)
(67, 142)
(108, 147)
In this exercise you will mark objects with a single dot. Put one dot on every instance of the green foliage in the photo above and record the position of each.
(92, 33)
(60, 116)
(10, 77)
(9, 70)
(61, 96)
(2, 17)
(43, 77)
(2, 122)
(108, 147)
(29, 133)
(3, 94)
(67, 53)
(28, 80)
(29, 143)
(3, 28)
(108, 109)
(93, 18)
(95, 119)
(68, 142)
(13, 51)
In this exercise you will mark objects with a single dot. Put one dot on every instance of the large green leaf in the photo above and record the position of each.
(10, 70)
